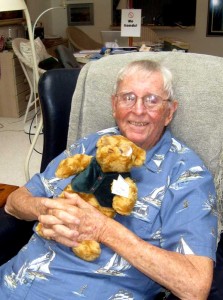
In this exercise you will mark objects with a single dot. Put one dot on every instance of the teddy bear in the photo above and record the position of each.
(103, 181)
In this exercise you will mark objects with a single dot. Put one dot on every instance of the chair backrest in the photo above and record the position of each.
(56, 89)
(66, 58)
(25, 57)
(198, 85)
(79, 40)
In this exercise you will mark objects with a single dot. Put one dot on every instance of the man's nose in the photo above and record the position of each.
(139, 106)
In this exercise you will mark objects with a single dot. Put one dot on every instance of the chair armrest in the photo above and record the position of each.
(14, 233)
(5, 190)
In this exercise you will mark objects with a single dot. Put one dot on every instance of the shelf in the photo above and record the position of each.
(17, 21)
(156, 27)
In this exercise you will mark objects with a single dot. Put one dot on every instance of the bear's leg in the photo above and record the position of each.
(88, 250)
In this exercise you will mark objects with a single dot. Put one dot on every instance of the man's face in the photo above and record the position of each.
(139, 124)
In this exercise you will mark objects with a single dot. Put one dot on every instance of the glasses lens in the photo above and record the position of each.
(152, 101)
(127, 99)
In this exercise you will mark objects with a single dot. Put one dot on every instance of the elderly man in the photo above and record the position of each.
(169, 240)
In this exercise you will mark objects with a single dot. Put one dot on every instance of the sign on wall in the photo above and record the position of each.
(131, 22)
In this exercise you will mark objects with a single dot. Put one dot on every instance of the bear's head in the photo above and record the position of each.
(116, 153)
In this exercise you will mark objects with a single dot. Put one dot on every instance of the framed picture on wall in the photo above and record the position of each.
(215, 18)
(80, 14)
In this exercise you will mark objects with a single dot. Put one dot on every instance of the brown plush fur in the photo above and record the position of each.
(114, 154)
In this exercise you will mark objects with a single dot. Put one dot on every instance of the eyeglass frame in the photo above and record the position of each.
(156, 107)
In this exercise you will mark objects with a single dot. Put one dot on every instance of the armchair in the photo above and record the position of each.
(198, 122)
(198, 86)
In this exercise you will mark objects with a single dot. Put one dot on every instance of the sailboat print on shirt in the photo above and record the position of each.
(122, 295)
(80, 293)
(158, 159)
(193, 173)
(141, 209)
(111, 130)
(183, 247)
(115, 267)
(37, 268)
(210, 204)
(70, 150)
(178, 147)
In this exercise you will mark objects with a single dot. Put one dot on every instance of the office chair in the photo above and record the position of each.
(56, 88)
(66, 58)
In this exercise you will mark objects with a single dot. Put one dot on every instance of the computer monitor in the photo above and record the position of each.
(114, 37)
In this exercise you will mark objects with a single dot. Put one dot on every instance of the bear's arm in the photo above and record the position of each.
(73, 165)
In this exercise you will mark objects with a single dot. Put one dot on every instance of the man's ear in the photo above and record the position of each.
(172, 109)
(113, 105)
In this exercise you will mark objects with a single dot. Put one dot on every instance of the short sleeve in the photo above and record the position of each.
(189, 214)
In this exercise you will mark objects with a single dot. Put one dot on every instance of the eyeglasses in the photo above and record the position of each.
(150, 101)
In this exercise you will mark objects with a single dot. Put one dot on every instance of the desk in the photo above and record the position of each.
(84, 56)
(14, 88)
(5, 190)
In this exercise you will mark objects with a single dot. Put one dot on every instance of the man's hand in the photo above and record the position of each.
(71, 220)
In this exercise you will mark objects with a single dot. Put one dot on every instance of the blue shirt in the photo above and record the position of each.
(175, 210)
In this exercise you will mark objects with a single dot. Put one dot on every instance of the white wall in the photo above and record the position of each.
(55, 22)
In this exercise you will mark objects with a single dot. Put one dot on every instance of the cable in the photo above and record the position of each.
(29, 134)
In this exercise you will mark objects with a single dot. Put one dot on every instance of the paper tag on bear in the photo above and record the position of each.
(120, 187)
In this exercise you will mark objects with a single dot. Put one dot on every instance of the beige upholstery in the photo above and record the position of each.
(79, 40)
(198, 87)
(28, 68)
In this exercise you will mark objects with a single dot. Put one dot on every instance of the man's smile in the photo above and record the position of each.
(138, 123)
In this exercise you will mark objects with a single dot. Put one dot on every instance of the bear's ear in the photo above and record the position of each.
(140, 155)
(112, 140)
(102, 141)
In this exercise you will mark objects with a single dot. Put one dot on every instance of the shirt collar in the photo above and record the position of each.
(156, 155)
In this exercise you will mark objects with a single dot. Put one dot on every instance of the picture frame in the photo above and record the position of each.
(80, 14)
(215, 18)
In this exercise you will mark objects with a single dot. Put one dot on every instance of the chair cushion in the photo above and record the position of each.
(41, 53)
(49, 64)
